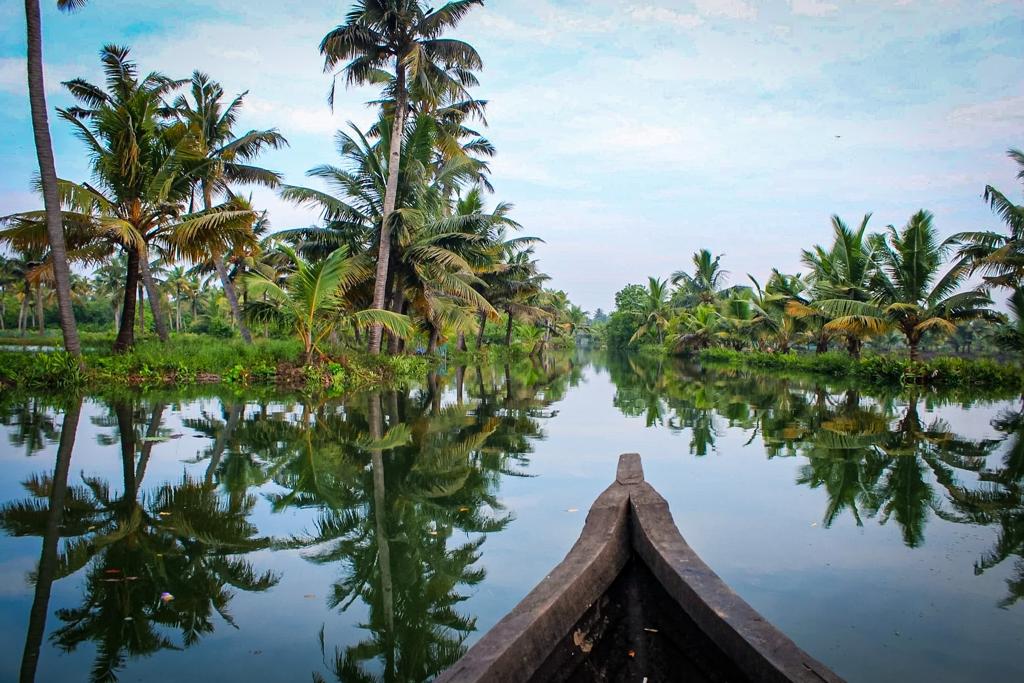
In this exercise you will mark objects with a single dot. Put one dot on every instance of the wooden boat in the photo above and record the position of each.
(633, 602)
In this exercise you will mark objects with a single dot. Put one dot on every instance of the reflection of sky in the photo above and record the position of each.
(629, 134)
(857, 598)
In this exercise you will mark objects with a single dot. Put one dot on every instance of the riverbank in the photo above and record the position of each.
(193, 359)
(944, 372)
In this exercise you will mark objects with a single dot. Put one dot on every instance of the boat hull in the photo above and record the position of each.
(632, 601)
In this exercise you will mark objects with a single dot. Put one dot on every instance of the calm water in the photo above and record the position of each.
(221, 537)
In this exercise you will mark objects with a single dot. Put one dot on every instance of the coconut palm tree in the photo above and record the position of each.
(140, 166)
(1011, 335)
(402, 34)
(437, 248)
(225, 159)
(843, 273)
(108, 282)
(999, 257)
(655, 311)
(48, 171)
(708, 277)
(311, 302)
(910, 295)
(696, 329)
(178, 280)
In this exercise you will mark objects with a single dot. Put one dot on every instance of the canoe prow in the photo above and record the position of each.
(633, 601)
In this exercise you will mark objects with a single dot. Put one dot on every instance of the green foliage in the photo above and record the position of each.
(882, 369)
(620, 328)
(190, 359)
(630, 299)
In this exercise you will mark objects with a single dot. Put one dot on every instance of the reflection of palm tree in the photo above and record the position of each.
(1000, 503)
(181, 538)
(394, 478)
(33, 424)
(46, 572)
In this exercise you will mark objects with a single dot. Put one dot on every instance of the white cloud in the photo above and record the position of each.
(732, 9)
(663, 15)
(545, 23)
(1001, 111)
(320, 120)
(812, 8)
(12, 75)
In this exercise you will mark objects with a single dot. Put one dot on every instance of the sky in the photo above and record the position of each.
(629, 134)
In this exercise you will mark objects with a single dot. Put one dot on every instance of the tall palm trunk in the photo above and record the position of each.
(142, 305)
(853, 346)
(3, 308)
(397, 304)
(390, 199)
(23, 312)
(46, 572)
(225, 280)
(48, 178)
(40, 318)
(913, 343)
(153, 293)
(177, 310)
(433, 340)
(508, 330)
(126, 332)
(480, 334)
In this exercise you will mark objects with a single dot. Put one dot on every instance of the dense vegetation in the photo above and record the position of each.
(408, 249)
(900, 288)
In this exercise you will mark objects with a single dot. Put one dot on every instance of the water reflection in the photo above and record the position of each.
(386, 499)
(156, 561)
(404, 486)
(874, 456)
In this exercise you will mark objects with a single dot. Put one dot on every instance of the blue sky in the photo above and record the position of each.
(630, 134)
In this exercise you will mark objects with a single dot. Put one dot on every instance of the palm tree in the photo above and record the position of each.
(225, 158)
(48, 171)
(436, 249)
(108, 282)
(1011, 335)
(655, 313)
(311, 302)
(7, 278)
(708, 277)
(697, 329)
(999, 257)
(844, 273)
(381, 33)
(909, 297)
(178, 279)
(46, 571)
(140, 166)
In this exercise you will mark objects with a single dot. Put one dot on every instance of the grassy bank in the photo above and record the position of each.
(888, 370)
(193, 359)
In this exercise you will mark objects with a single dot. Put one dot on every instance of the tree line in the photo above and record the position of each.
(406, 246)
(901, 285)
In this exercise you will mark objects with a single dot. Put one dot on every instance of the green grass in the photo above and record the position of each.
(881, 369)
(193, 359)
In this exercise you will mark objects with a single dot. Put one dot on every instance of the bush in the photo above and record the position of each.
(880, 369)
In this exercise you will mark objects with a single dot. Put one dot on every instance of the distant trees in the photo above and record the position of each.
(863, 286)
